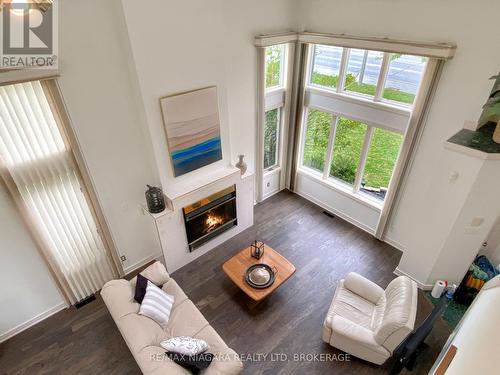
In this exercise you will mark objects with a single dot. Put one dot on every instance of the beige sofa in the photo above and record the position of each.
(143, 335)
(368, 321)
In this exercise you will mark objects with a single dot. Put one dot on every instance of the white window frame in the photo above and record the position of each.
(437, 53)
(276, 97)
(269, 99)
(375, 112)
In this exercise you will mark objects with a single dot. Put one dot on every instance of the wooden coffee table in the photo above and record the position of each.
(236, 268)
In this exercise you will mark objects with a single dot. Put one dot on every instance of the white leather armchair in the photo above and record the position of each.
(368, 321)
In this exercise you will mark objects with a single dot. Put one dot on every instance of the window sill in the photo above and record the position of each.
(272, 170)
(342, 189)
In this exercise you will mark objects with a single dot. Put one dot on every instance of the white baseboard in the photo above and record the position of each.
(394, 243)
(336, 212)
(420, 284)
(141, 263)
(31, 322)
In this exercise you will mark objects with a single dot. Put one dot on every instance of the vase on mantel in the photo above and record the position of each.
(241, 164)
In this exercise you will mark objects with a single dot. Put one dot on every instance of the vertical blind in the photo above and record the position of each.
(41, 164)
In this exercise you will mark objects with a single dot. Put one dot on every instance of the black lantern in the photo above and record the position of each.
(154, 198)
(257, 249)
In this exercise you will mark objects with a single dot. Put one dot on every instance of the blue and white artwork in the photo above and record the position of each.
(193, 129)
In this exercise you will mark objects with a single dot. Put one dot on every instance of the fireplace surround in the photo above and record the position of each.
(210, 216)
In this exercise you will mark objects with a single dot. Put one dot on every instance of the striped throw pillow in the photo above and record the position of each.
(156, 304)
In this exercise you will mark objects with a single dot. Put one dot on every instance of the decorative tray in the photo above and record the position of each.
(260, 276)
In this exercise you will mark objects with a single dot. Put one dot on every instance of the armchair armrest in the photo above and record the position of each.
(349, 329)
(363, 287)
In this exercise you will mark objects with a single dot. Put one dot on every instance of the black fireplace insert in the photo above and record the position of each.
(210, 217)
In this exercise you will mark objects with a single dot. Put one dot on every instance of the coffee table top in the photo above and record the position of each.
(236, 268)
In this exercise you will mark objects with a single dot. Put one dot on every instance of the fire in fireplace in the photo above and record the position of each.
(210, 217)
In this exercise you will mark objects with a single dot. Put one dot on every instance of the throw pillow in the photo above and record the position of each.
(184, 345)
(140, 288)
(194, 363)
(156, 304)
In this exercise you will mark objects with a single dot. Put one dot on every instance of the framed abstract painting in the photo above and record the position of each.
(192, 125)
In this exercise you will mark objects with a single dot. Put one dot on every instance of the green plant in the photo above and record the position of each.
(273, 66)
(270, 138)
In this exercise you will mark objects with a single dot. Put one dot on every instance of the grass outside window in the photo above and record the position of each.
(316, 139)
(348, 144)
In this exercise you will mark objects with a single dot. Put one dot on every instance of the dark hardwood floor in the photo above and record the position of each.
(285, 325)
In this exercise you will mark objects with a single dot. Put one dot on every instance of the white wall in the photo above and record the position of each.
(184, 45)
(461, 93)
(492, 249)
(98, 89)
(465, 238)
(27, 290)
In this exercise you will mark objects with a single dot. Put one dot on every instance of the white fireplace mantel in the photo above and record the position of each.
(189, 189)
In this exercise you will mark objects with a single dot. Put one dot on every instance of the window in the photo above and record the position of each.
(380, 162)
(403, 78)
(273, 119)
(316, 139)
(388, 77)
(275, 92)
(326, 66)
(271, 138)
(39, 164)
(362, 71)
(349, 139)
(354, 126)
(274, 65)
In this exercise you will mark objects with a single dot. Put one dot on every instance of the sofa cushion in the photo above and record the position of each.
(194, 363)
(156, 273)
(119, 297)
(399, 309)
(140, 331)
(353, 338)
(140, 288)
(185, 345)
(153, 361)
(185, 320)
(348, 305)
(172, 288)
(156, 304)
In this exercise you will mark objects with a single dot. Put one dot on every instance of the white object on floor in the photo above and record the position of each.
(368, 321)
(438, 289)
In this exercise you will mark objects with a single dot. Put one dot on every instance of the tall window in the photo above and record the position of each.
(358, 103)
(38, 166)
(275, 101)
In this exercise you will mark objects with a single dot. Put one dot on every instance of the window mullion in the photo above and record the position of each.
(342, 69)
(384, 70)
(329, 150)
(362, 161)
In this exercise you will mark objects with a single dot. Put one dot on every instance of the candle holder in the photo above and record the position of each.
(257, 249)
(154, 199)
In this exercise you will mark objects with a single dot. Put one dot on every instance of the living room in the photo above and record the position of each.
(350, 149)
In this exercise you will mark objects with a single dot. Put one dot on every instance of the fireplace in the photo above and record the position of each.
(210, 217)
